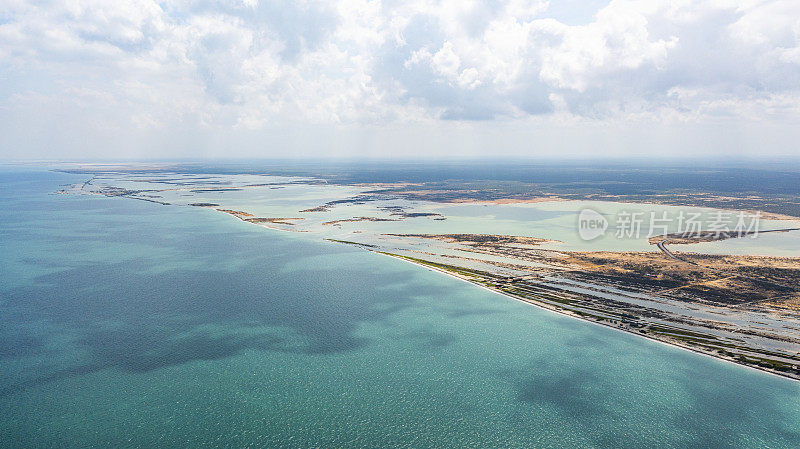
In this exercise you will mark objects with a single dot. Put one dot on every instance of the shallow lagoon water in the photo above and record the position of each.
(126, 323)
(554, 220)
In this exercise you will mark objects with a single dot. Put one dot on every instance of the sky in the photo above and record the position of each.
(148, 79)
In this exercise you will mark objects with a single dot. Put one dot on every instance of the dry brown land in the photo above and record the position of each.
(275, 220)
(355, 219)
(236, 213)
(722, 280)
(540, 199)
(477, 240)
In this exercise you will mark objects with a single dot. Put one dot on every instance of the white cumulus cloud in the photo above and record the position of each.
(96, 65)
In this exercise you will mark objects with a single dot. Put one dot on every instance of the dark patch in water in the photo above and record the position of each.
(144, 314)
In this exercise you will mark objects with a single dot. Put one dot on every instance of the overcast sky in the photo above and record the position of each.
(146, 79)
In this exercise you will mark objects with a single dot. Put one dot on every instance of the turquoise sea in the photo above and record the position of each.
(125, 323)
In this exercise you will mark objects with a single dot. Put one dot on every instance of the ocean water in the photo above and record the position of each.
(125, 323)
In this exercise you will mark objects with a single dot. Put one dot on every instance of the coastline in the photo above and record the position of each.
(567, 313)
(560, 311)
(755, 358)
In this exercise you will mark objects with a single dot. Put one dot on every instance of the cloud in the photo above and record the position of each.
(250, 64)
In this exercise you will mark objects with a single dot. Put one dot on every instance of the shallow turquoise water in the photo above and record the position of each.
(131, 324)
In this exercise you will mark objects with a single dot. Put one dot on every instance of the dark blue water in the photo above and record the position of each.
(130, 324)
